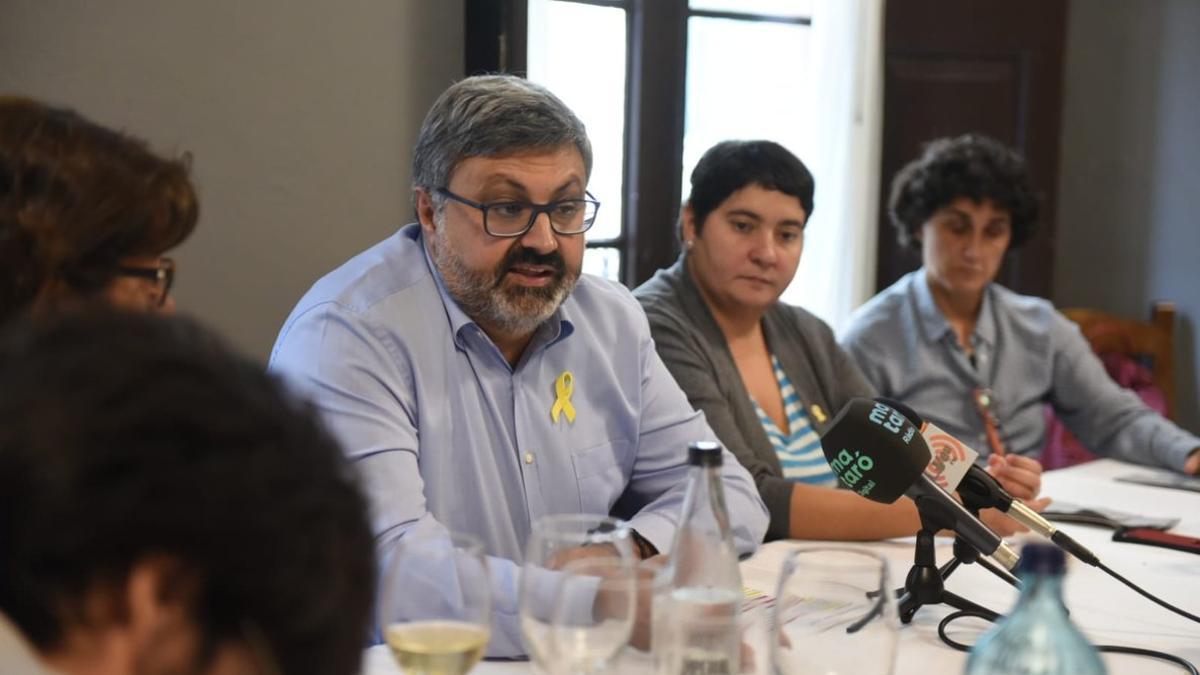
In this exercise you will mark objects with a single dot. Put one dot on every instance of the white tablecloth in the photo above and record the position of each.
(1106, 610)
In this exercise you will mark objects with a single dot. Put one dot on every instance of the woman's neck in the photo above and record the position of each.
(739, 331)
(961, 309)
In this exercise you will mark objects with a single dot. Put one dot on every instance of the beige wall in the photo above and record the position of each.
(300, 117)
(1128, 230)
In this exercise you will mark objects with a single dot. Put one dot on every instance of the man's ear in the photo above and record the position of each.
(425, 210)
(158, 589)
(125, 623)
(160, 627)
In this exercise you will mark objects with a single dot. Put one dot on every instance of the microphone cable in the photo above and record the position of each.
(1108, 649)
(1146, 594)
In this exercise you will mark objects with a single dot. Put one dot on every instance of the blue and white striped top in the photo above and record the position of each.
(799, 449)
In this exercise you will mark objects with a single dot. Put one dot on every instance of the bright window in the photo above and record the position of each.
(578, 51)
(742, 74)
(745, 80)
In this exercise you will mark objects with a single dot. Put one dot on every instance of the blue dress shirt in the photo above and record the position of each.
(1026, 353)
(445, 433)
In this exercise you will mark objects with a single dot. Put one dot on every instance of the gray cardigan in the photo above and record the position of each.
(695, 351)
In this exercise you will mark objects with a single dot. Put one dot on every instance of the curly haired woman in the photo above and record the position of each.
(976, 358)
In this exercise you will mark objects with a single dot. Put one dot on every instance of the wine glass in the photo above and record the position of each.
(587, 636)
(435, 605)
(835, 613)
(557, 541)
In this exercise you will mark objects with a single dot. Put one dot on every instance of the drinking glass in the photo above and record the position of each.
(557, 541)
(835, 614)
(435, 605)
(586, 637)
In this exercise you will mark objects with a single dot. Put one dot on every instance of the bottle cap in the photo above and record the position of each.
(704, 453)
(1038, 558)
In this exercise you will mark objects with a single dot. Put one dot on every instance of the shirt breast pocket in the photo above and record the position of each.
(600, 474)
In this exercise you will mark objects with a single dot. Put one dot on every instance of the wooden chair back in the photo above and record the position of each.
(1150, 343)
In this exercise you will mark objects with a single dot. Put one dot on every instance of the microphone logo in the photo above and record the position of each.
(951, 458)
(886, 417)
(944, 451)
(852, 468)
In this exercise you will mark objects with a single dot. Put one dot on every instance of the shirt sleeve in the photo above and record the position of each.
(869, 361)
(1109, 419)
(679, 379)
(365, 395)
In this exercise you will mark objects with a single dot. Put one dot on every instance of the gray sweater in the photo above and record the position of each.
(695, 351)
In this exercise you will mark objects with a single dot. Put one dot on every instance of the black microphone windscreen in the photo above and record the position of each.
(875, 450)
(903, 409)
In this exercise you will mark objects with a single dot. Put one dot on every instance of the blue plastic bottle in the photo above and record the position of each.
(1037, 637)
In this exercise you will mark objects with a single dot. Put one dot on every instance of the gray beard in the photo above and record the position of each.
(514, 311)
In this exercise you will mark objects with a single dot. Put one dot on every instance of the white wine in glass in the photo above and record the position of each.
(436, 647)
(434, 607)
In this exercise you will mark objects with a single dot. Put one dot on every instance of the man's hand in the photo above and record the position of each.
(613, 602)
(569, 555)
(1021, 476)
(1192, 466)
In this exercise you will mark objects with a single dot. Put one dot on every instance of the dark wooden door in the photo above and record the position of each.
(988, 66)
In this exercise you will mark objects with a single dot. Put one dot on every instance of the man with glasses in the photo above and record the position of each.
(477, 379)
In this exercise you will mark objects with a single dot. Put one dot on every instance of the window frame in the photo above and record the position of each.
(655, 103)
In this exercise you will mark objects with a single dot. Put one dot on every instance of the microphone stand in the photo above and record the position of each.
(925, 583)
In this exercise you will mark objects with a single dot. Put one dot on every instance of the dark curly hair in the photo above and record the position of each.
(125, 436)
(730, 166)
(972, 166)
(75, 199)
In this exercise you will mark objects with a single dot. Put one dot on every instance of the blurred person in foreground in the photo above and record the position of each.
(477, 379)
(769, 376)
(975, 358)
(166, 509)
(86, 213)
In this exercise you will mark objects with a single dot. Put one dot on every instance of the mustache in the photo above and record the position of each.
(519, 255)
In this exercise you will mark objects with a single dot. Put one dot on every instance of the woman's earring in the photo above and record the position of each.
(688, 243)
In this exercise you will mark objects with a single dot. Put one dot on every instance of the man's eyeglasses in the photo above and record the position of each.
(513, 219)
(162, 274)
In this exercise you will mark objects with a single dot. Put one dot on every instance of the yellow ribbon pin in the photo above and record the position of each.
(818, 413)
(564, 386)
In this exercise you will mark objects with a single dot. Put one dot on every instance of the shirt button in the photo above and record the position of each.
(529, 458)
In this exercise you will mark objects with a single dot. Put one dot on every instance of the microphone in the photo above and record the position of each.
(877, 452)
(953, 467)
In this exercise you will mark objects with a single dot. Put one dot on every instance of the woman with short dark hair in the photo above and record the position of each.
(768, 376)
(976, 358)
(86, 213)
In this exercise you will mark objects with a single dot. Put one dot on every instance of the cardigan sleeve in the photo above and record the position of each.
(846, 379)
(680, 348)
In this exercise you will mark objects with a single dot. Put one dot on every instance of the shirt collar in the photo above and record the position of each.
(985, 326)
(934, 324)
(557, 327)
